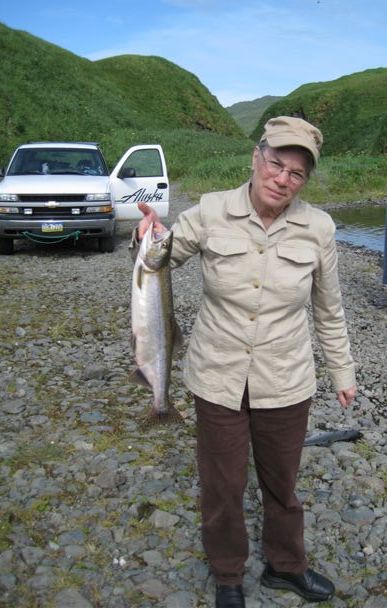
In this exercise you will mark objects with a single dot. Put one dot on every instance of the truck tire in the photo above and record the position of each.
(6, 246)
(106, 244)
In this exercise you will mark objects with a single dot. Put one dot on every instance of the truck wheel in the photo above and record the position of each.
(106, 244)
(6, 246)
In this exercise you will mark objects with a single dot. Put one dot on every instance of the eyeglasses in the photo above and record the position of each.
(274, 168)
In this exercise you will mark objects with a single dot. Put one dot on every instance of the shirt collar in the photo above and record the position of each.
(239, 203)
(297, 212)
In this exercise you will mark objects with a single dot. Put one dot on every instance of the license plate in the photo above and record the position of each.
(52, 227)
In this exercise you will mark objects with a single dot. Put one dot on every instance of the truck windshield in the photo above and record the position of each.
(57, 161)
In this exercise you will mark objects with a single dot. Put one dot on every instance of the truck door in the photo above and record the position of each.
(140, 175)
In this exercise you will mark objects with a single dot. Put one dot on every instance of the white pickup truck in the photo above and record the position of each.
(51, 191)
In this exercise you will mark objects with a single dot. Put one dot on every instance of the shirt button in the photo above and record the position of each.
(248, 350)
(256, 284)
(252, 317)
(261, 250)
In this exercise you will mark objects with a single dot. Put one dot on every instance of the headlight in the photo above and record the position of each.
(100, 209)
(99, 196)
(6, 197)
(9, 210)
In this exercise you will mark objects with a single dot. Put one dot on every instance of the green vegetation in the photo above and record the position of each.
(48, 93)
(350, 111)
(347, 178)
(35, 454)
(247, 113)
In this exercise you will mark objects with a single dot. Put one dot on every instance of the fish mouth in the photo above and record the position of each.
(157, 237)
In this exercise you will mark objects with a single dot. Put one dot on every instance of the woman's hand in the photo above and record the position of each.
(346, 396)
(150, 216)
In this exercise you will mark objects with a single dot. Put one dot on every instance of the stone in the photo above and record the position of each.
(15, 406)
(358, 516)
(181, 599)
(38, 420)
(163, 519)
(152, 557)
(154, 588)
(71, 598)
(377, 601)
(75, 552)
(7, 581)
(32, 555)
(79, 444)
(94, 372)
(72, 537)
(93, 417)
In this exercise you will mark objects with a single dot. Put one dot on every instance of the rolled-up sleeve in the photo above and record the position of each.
(329, 318)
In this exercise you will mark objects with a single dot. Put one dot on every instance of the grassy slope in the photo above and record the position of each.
(351, 111)
(247, 113)
(170, 96)
(49, 93)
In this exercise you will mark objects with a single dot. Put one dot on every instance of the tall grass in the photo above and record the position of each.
(205, 162)
(348, 178)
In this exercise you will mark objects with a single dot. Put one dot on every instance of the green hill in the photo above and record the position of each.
(48, 93)
(351, 111)
(247, 113)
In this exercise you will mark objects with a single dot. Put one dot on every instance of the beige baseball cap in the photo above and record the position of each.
(290, 131)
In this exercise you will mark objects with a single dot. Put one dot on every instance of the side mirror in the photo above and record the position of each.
(127, 172)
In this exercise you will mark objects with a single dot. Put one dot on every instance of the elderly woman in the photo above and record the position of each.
(265, 254)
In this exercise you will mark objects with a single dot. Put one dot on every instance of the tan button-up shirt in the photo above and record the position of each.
(253, 324)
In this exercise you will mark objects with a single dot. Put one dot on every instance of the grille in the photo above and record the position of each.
(59, 198)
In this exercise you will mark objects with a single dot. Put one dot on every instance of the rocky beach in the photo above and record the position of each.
(98, 512)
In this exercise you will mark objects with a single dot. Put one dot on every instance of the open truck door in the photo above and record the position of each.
(140, 175)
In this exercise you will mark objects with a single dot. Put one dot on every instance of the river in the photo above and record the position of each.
(361, 226)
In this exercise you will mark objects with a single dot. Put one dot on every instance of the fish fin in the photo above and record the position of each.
(178, 339)
(137, 377)
(139, 277)
(133, 342)
(170, 416)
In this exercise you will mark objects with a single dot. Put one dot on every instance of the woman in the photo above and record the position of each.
(265, 255)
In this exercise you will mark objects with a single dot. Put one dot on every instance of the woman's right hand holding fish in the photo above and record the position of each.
(150, 216)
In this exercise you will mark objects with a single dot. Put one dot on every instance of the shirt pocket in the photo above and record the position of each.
(293, 363)
(293, 272)
(224, 260)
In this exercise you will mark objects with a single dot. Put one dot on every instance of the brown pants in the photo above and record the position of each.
(223, 438)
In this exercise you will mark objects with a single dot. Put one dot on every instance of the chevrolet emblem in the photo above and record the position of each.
(51, 204)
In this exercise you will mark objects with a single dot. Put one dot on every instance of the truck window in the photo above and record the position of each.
(56, 161)
(147, 163)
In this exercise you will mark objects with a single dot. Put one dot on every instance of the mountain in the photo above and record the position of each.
(350, 111)
(49, 93)
(247, 113)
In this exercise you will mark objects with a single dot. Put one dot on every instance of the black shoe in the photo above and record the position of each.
(310, 585)
(229, 596)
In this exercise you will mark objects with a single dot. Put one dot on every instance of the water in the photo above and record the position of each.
(361, 226)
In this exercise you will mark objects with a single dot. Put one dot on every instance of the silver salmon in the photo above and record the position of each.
(155, 332)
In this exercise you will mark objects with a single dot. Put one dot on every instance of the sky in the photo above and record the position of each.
(240, 50)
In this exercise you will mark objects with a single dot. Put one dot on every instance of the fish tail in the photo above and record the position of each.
(169, 416)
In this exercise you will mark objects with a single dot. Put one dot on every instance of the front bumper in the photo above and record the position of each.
(91, 227)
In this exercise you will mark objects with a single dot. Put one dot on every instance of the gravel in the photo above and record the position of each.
(99, 512)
